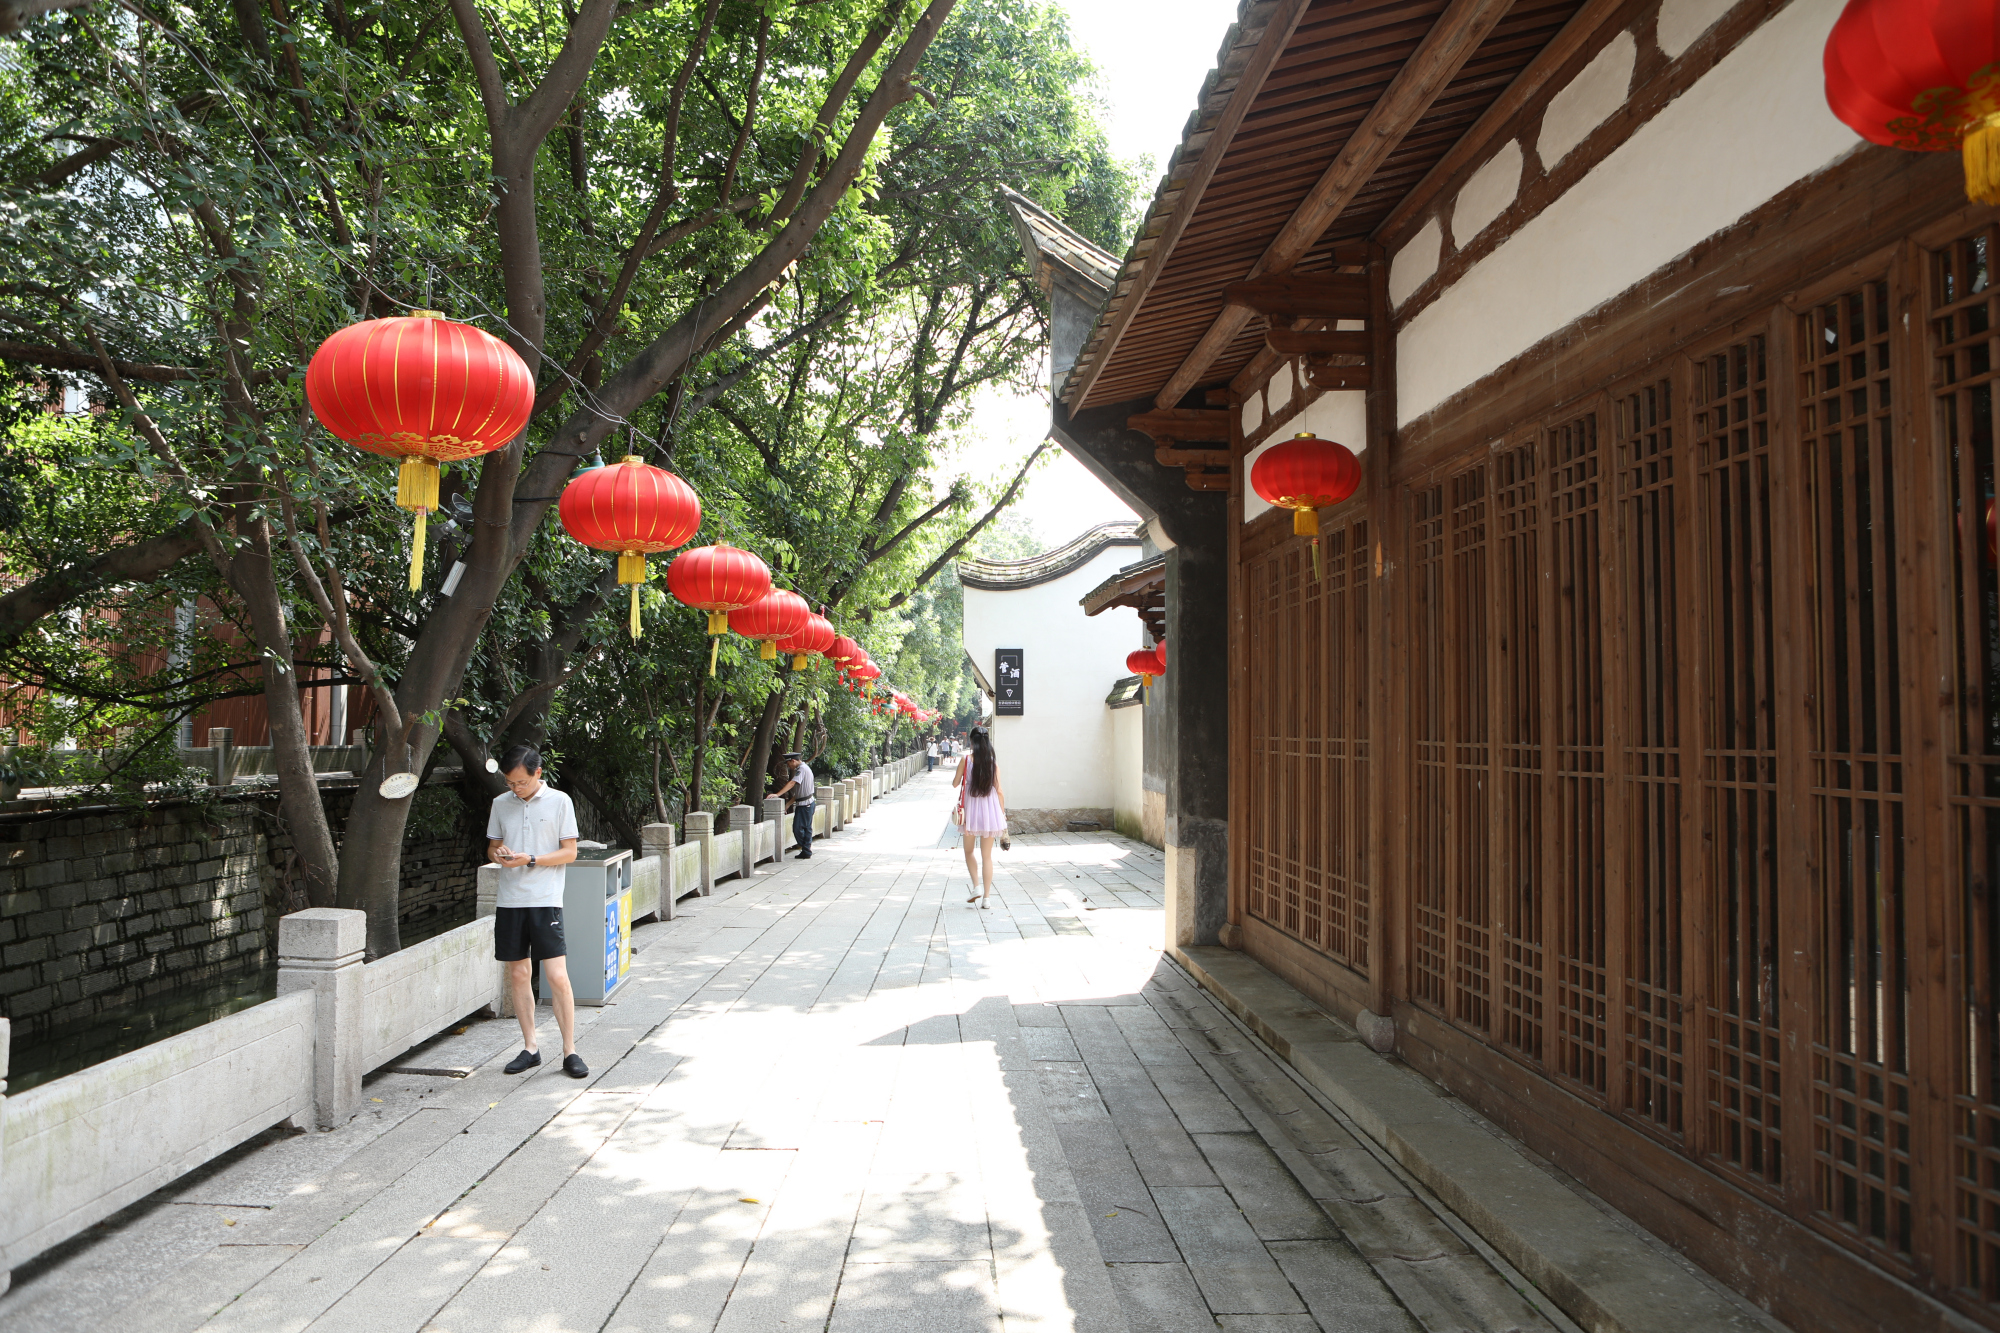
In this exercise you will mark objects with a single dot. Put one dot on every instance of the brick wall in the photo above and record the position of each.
(107, 910)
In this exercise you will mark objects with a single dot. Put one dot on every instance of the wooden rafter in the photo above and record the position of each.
(1270, 46)
(1445, 49)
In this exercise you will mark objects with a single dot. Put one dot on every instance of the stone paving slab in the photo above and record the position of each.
(835, 1097)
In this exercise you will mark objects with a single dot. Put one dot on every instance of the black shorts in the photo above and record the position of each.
(519, 931)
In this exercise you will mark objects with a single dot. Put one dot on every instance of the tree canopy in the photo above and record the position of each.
(752, 240)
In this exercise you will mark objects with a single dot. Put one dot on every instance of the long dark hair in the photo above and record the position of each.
(981, 781)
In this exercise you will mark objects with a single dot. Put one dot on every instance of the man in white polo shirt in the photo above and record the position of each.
(531, 834)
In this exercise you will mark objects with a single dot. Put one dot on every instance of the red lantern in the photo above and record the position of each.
(774, 616)
(1160, 658)
(1305, 474)
(816, 637)
(717, 579)
(423, 389)
(1143, 664)
(634, 509)
(845, 650)
(1920, 75)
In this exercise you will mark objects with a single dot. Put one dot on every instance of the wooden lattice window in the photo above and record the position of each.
(1742, 1035)
(1468, 646)
(1963, 363)
(1308, 786)
(1576, 556)
(1427, 723)
(1861, 1077)
(1655, 1026)
(1517, 646)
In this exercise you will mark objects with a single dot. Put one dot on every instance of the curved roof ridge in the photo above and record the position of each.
(1003, 575)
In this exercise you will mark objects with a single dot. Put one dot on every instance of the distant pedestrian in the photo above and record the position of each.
(982, 811)
(531, 835)
(800, 791)
(931, 755)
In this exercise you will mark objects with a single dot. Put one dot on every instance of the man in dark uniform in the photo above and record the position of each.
(799, 791)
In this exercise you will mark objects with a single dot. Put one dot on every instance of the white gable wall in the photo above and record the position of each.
(1059, 755)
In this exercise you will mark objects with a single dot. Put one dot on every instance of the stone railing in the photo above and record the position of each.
(79, 1148)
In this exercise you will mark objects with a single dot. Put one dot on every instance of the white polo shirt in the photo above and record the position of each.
(535, 827)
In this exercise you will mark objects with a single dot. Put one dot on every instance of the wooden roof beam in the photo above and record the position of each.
(1277, 34)
(1473, 143)
(1445, 49)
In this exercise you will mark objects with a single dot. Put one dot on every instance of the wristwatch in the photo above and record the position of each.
(531, 863)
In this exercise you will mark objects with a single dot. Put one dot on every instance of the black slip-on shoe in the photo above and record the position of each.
(574, 1066)
(803, 856)
(525, 1060)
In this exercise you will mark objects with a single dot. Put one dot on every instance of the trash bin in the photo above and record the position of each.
(597, 922)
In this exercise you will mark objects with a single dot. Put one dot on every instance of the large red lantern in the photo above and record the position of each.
(631, 508)
(1920, 75)
(816, 637)
(1305, 474)
(774, 616)
(717, 579)
(423, 389)
(1143, 664)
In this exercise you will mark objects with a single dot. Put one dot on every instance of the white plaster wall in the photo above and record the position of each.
(1128, 770)
(1584, 103)
(1682, 21)
(1487, 194)
(1415, 262)
(1341, 415)
(1691, 171)
(1058, 754)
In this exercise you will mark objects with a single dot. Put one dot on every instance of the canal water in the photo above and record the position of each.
(114, 1032)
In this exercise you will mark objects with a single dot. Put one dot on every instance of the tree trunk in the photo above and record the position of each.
(291, 748)
(757, 762)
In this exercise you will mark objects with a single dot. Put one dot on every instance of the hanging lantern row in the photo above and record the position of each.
(1920, 75)
(1305, 474)
(423, 389)
(428, 390)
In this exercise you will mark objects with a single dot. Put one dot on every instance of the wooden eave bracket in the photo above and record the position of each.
(1170, 427)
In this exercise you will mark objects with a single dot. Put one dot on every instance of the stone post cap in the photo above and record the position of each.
(657, 837)
(321, 934)
(774, 806)
(700, 823)
(744, 820)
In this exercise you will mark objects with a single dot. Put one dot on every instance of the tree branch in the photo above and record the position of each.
(951, 552)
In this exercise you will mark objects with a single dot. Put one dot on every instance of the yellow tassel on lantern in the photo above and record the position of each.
(718, 622)
(1305, 522)
(767, 650)
(798, 661)
(714, 647)
(1982, 161)
(417, 488)
(632, 570)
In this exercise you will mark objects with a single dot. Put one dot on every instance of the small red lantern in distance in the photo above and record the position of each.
(1143, 664)
(816, 637)
(631, 508)
(1919, 75)
(774, 616)
(1305, 474)
(1160, 658)
(423, 389)
(845, 650)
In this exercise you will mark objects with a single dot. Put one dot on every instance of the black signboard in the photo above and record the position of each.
(1007, 680)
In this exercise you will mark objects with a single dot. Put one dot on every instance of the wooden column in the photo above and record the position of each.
(1388, 730)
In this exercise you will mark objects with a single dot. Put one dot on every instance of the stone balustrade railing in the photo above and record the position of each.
(79, 1148)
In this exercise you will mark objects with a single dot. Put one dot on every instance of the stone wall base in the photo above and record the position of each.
(1057, 820)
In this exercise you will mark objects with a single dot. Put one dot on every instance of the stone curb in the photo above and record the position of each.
(1609, 1278)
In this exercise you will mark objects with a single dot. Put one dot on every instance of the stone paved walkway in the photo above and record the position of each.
(836, 1097)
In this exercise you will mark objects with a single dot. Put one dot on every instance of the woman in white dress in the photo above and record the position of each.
(982, 810)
